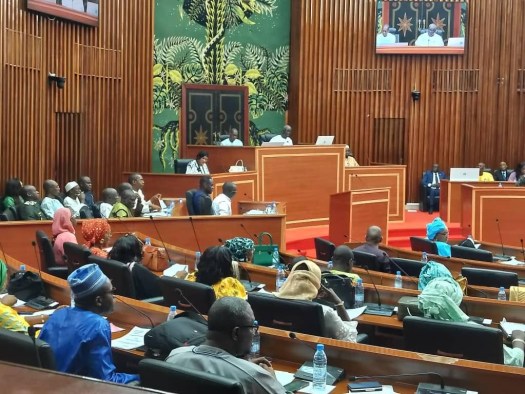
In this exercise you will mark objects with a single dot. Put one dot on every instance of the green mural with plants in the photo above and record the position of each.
(231, 42)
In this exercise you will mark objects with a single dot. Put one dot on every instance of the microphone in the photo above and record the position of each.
(31, 331)
(254, 237)
(136, 310)
(195, 235)
(412, 279)
(380, 310)
(161, 240)
(441, 381)
(470, 287)
(294, 336)
(522, 249)
(501, 239)
(179, 293)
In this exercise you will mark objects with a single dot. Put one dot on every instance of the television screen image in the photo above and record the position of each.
(81, 11)
(421, 27)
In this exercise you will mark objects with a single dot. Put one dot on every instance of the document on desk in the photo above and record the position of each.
(286, 377)
(132, 340)
(355, 313)
(171, 271)
(508, 327)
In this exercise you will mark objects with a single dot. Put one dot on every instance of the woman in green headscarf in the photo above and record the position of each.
(440, 300)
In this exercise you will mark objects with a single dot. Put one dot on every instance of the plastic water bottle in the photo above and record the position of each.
(424, 258)
(502, 296)
(398, 283)
(197, 259)
(169, 208)
(172, 313)
(147, 241)
(280, 277)
(330, 265)
(255, 349)
(359, 294)
(353, 331)
(273, 208)
(275, 257)
(319, 370)
(268, 209)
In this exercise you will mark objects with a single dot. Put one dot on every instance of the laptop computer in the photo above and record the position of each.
(325, 140)
(464, 174)
(272, 144)
(456, 42)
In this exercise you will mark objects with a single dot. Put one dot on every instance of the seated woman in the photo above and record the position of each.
(440, 300)
(9, 318)
(63, 229)
(241, 250)
(304, 283)
(128, 250)
(13, 188)
(215, 269)
(437, 231)
(198, 166)
(430, 271)
(97, 233)
(518, 172)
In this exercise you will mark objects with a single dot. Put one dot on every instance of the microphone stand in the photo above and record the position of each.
(372, 309)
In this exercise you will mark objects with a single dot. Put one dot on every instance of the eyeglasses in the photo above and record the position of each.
(254, 327)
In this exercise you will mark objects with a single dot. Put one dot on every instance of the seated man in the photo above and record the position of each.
(503, 173)
(350, 161)
(374, 237)
(72, 200)
(86, 187)
(201, 198)
(137, 184)
(124, 208)
(109, 198)
(285, 136)
(80, 337)
(431, 182)
(343, 262)
(430, 38)
(437, 231)
(30, 209)
(233, 140)
(231, 326)
(484, 174)
(222, 204)
(385, 37)
(51, 202)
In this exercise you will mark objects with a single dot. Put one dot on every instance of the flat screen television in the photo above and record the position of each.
(80, 11)
(421, 27)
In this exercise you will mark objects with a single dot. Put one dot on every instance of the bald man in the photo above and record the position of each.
(385, 37)
(285, 137)
(430, 38)
(343, 262)
(374, 236)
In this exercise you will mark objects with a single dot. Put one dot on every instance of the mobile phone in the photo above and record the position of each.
(296, 385)
(365, 387)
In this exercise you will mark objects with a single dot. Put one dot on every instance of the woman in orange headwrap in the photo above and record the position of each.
(97, 233)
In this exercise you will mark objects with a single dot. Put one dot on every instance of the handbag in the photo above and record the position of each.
(237, 167)
(25, 285)
(408, 306)
(154, 258)
(263, 253)
(185, 329)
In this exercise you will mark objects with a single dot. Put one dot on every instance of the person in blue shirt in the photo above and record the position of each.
(80, 337)
(437, 231)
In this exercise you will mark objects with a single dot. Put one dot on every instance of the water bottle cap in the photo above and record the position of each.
(501, 288)
(320, 347)
(197, 254)
(398, 272)
(255, 323)
(22, 267)
(360, 281)
(173, 308)
(147, 240)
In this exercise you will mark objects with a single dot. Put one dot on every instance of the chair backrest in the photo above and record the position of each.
(119, 274)
(266, 137)
(18, 348)
(464, 252)
(411, 267)
(189, 201)
(161, 375)
(364, 259)
(324, 249)
(459, 340)
(180, 165)
(419, 244)
(200, 295)
(489, 278)
(9, 214)
(290, 315)
(47, 257)
(76, 255)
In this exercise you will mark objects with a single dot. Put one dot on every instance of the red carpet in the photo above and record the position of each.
(301, 240)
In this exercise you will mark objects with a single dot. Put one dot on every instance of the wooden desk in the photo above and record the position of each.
(483, 207)
(17, 236)
(391, 177)
(351, 213)
(450, 204)
(245, 206)
(222, 157)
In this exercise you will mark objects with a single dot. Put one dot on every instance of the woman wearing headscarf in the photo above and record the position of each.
(9, 318)
(63, 229)
(437, 231)
(215, 269)
(97, 233)
(440, 300)
(430, 271)
(241, 250)
(304, 283)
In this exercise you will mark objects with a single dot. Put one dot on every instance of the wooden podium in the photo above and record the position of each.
(351, 213)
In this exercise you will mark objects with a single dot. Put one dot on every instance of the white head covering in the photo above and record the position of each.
(70, 186)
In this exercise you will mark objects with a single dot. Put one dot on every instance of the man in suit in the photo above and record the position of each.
(431, 183)
(502, 175)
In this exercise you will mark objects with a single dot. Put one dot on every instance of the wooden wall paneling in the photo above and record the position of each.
(108, 93)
